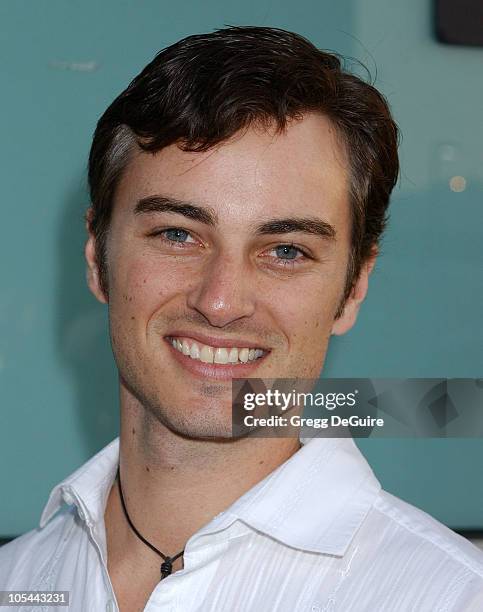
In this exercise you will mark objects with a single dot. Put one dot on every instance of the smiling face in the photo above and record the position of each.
(244, 246)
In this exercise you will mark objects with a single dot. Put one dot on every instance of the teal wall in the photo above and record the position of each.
(423, 315)
(62, 63)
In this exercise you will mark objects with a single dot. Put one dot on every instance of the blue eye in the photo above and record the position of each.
(176, 234)
(287, 251)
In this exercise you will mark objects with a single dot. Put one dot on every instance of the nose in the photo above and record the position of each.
(224, 292)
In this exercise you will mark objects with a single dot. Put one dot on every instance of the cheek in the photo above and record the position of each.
(141, 284)
(138, 288)
(306, 312)
(305, 315)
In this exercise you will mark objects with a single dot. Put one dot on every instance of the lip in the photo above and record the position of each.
(215, 371)
(216, 342)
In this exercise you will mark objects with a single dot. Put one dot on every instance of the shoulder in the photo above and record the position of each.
(26, 560)
(424, 554)
(417, 526)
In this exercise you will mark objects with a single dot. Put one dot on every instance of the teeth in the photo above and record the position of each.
(209, 354)
(243, 355)
(221, 355)
(206, 354)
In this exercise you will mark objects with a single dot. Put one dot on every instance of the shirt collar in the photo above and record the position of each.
(88, 487)
(315, 501)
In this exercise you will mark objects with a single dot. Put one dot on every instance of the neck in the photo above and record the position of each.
(174, 485)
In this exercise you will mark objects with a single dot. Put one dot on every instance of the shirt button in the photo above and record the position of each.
(110, 606)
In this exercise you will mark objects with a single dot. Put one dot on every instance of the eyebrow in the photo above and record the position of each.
(305, 225)
(208, 216)
(162, 204)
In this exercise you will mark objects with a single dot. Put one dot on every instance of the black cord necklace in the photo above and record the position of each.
(167, 565)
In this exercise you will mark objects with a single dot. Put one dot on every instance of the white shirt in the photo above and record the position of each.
(317, 534)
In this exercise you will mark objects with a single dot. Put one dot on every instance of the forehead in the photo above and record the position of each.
(303, 169)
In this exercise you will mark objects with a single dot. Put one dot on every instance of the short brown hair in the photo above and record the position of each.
(203, 89)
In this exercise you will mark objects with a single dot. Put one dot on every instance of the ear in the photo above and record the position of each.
(351, 308)
(92, 271)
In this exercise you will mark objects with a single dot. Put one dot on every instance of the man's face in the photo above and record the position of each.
(257, 259)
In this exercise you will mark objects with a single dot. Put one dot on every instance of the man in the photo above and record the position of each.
(239, 189)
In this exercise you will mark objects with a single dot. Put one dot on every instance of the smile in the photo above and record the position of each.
(210, 354)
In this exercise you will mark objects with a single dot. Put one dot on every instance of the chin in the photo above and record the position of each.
(198, 418)
(202, 431)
